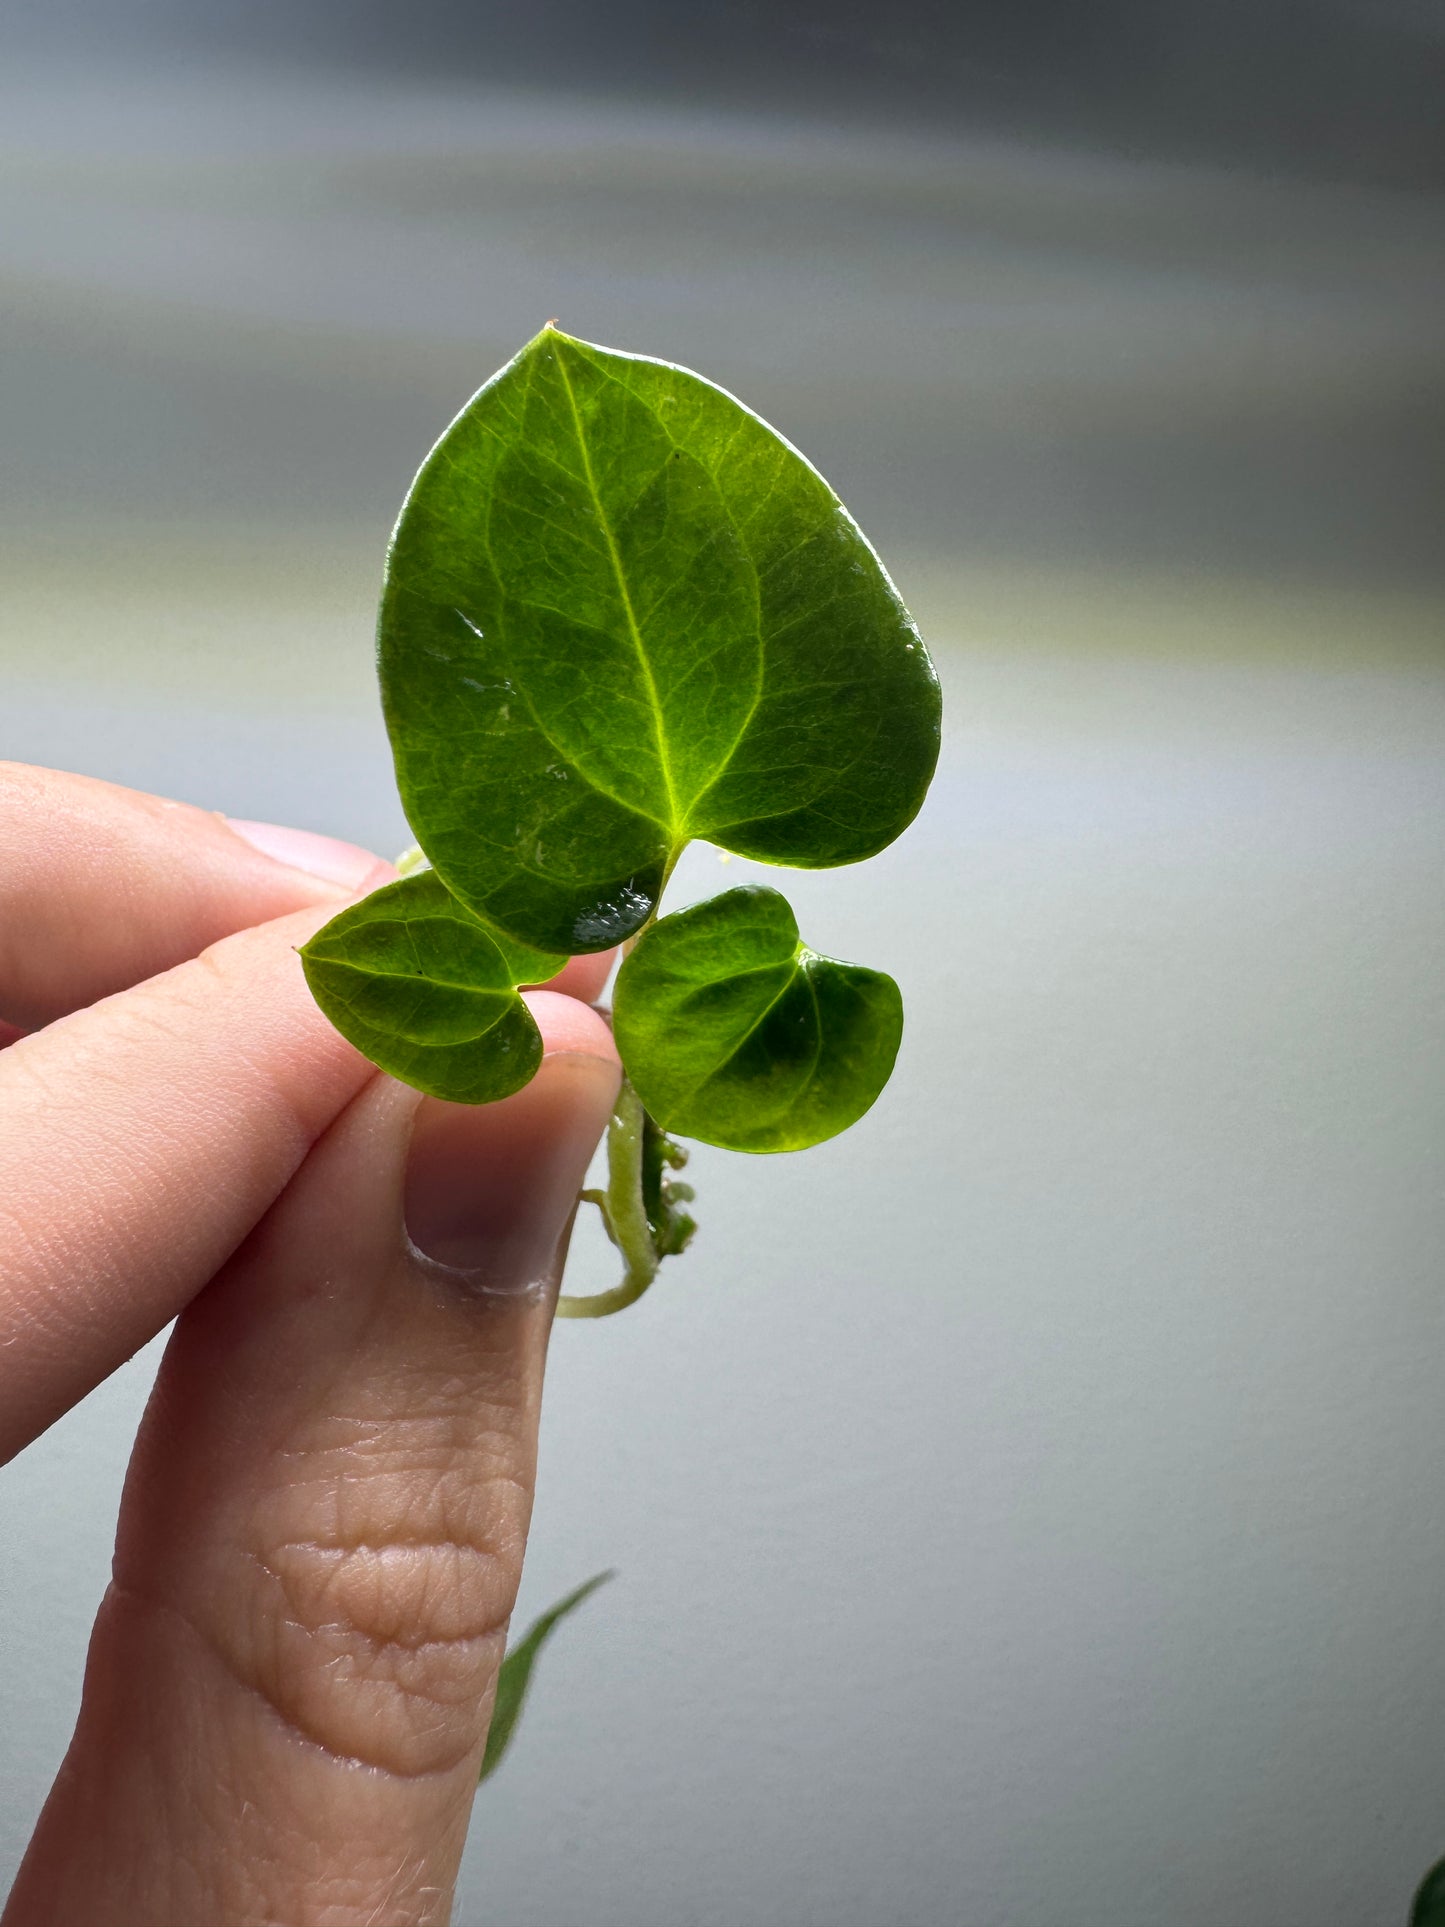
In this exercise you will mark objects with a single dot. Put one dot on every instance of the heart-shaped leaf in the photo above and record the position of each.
(620, 613)
(734, 1032)
(428, 992)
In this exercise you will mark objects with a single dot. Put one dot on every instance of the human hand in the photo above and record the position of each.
(322, 1530)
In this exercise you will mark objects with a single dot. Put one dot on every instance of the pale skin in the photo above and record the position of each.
(321, 1538)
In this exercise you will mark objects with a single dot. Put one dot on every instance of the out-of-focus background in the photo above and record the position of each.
(1027, 1507)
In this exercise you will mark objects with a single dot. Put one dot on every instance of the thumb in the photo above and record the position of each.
(322, 1532)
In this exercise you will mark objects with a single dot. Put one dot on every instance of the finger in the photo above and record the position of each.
(321, 1538)
(584, 977)
(141, 1140)
(101, 887)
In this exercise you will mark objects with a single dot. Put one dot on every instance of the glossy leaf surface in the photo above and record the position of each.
(516, 1674)
(428, 993)
(621, 613)
(734, 1032)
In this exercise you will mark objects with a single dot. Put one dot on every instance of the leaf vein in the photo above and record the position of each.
(623, 591)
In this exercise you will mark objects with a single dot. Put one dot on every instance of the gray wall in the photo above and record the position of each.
(1026, 1506)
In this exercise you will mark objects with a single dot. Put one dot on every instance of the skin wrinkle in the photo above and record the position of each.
(403, 1506)
(411, 1511)
(416, 1625)
(255, 1692)
(440, 1673)
(382, 1611)
(331, 1561)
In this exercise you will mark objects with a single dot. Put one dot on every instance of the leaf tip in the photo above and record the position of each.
(516, 1673)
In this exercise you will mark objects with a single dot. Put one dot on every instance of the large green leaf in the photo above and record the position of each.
(621, 612)
(734, 1032)
(428, 992)
(516, 1674)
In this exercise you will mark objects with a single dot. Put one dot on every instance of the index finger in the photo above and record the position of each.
(142, 1139)
(101, 886)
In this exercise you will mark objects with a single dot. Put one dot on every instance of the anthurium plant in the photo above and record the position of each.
(622, 614)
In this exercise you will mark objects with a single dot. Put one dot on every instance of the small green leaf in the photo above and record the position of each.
(516, 1674)
(428, 992)
(1429, 1907)
(733, 1032)
(620, 613)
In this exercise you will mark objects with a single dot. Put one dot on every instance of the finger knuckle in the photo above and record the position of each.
(383, 1587)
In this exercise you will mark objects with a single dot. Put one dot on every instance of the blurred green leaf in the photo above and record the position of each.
(734, 1032)
(428, 992)
(1429, 1907)
(516, 1673)
(620, 613)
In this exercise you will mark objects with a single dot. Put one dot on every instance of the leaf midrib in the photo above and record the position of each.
(635, 633)
(801, 957)
(423, 976)
(710, 469)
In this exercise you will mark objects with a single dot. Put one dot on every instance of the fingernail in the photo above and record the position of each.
(490, 1188)
(319, 856)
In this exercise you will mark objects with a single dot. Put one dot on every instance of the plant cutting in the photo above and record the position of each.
(622, 614)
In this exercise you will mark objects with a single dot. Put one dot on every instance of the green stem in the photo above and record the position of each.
(640, 1204)
(624, 1213)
